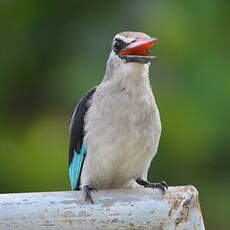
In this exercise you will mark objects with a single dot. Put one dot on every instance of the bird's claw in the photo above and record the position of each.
(87, 192)
(161, 185)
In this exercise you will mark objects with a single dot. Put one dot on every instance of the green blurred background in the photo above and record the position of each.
(53, 52)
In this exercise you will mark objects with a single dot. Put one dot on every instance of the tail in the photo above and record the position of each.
(75, 167)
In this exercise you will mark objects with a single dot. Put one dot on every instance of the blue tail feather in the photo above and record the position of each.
(76, 167)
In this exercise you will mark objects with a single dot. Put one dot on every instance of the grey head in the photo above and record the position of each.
(133, 46)
(130, 54)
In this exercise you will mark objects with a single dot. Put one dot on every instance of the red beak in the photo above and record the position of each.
(140, 47)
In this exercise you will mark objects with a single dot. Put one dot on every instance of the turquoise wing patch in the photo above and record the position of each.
(75, 167)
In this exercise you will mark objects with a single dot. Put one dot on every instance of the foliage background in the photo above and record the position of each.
(53, 52)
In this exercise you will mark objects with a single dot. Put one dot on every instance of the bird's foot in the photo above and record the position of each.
(87, 192)
(161, 185)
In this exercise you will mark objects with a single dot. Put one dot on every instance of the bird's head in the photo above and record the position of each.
(130, 52)
(133, 47)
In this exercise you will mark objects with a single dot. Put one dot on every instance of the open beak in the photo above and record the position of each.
(140, 47)
(138, 51)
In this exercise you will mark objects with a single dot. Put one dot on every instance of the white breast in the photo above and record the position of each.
(122, 134)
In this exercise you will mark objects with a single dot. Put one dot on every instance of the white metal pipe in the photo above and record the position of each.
(113, 209)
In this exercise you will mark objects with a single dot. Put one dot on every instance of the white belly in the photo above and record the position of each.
(122, 135)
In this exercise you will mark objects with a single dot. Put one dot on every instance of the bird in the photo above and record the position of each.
(115, 129)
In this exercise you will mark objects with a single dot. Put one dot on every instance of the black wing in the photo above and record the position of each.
(77, 124)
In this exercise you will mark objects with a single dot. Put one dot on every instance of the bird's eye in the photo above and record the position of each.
(118, 45)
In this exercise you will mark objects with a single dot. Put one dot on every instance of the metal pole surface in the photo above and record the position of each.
(113, 209)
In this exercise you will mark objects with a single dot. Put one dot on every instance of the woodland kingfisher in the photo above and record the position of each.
(115, 128)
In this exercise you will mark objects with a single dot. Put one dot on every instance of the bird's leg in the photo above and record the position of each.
(161, 185)
(87, 192)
